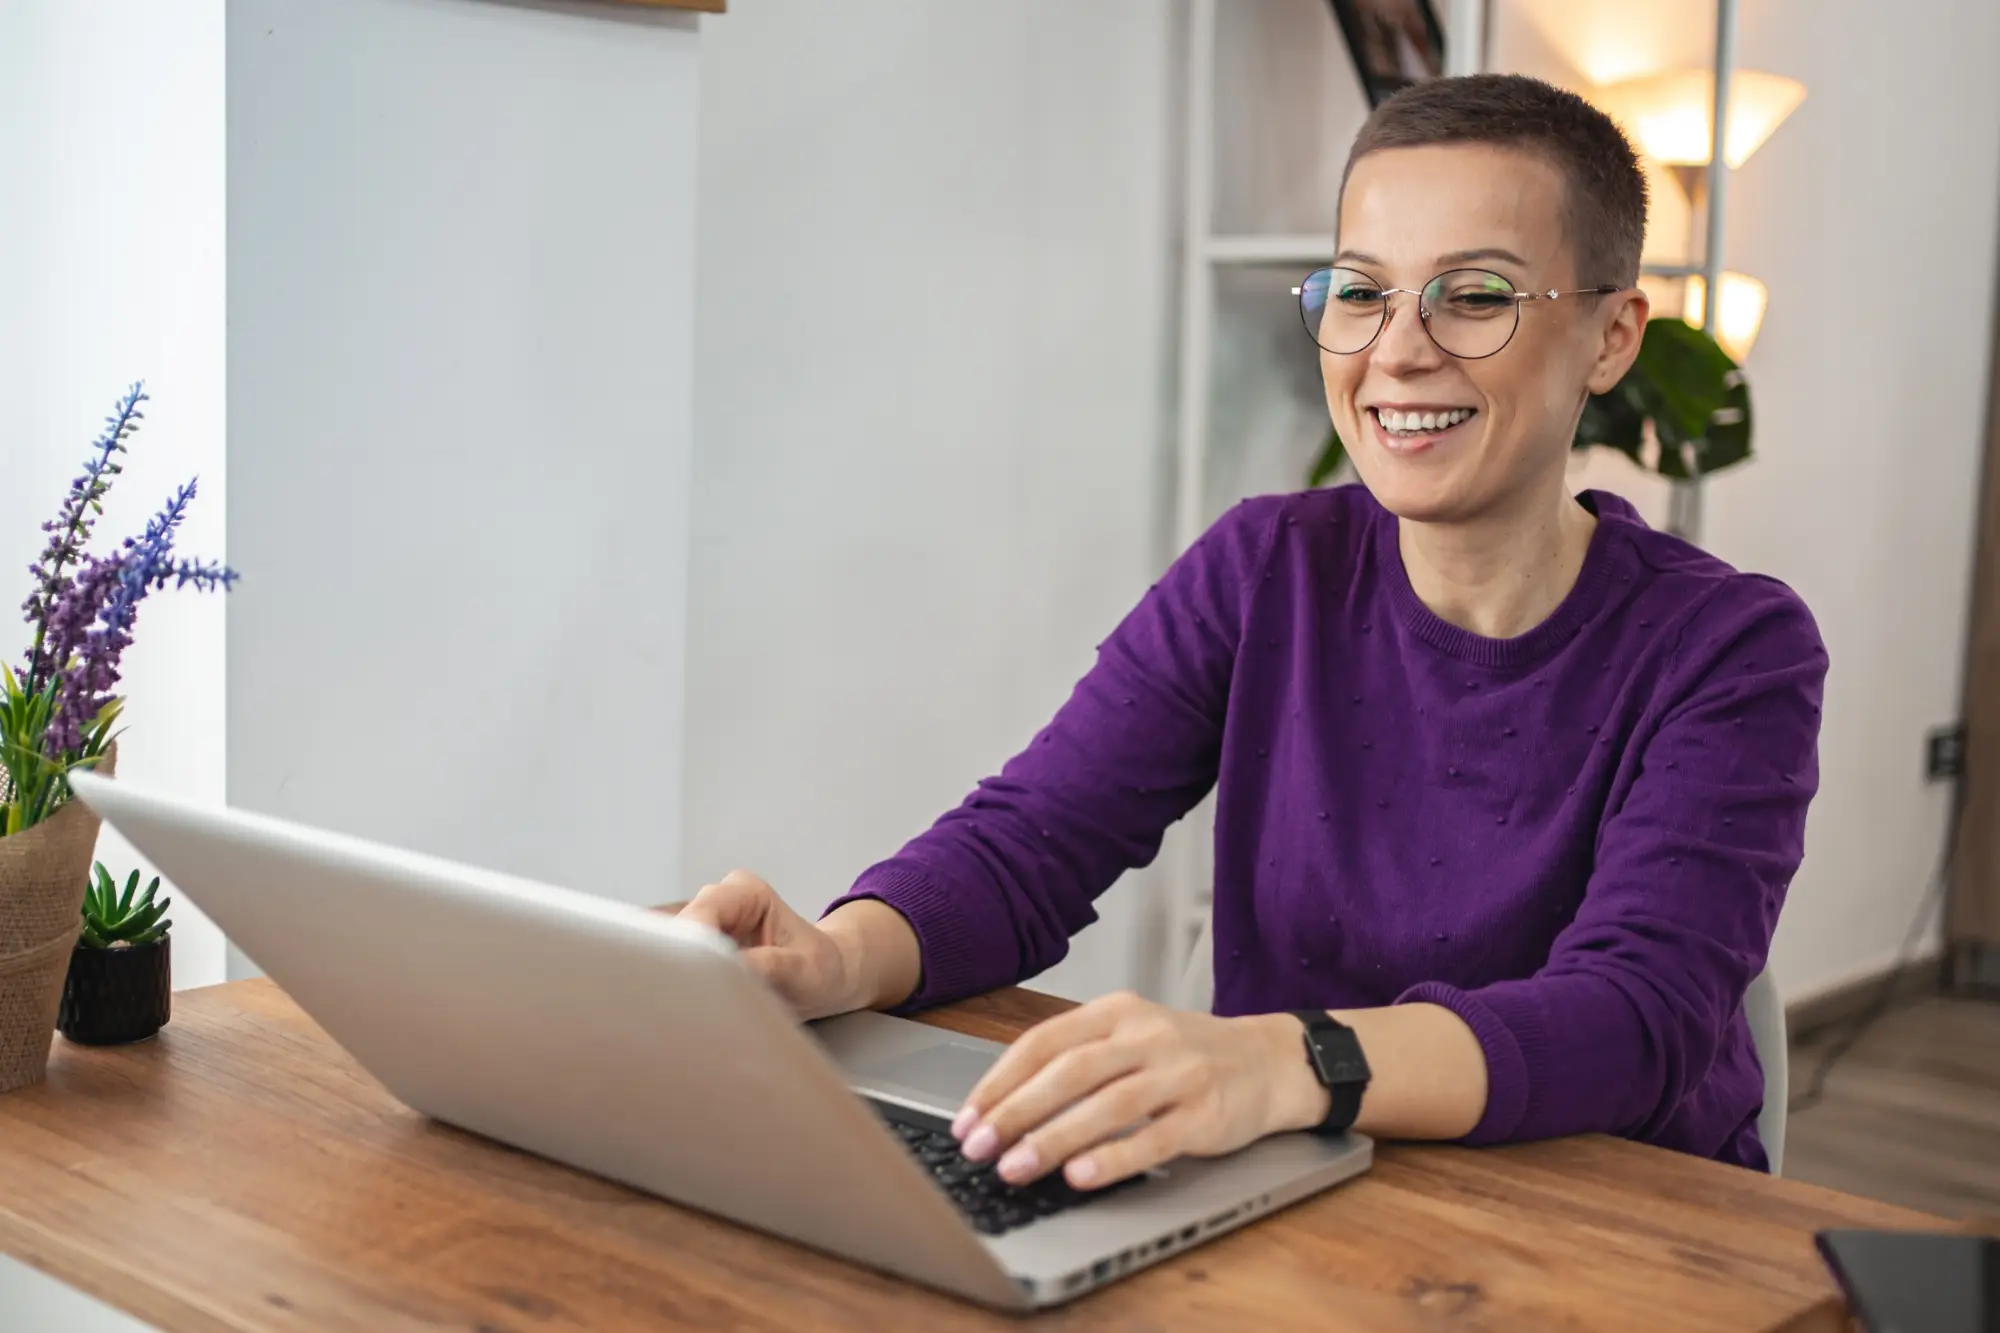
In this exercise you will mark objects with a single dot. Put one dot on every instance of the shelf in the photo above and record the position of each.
(1276, 251)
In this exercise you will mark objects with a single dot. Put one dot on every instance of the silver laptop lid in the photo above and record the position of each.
(611, 1038)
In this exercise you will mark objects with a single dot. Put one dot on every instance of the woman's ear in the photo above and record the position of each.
(1624, 330)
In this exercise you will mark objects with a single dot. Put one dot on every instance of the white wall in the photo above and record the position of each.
(933, 318)
(1871, 420)
(460, 311)
(111, 214)
(1873, 216)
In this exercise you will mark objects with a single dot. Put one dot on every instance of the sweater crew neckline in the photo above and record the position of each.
(1602, 561)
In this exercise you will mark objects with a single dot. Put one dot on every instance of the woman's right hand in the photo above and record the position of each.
(805, 965)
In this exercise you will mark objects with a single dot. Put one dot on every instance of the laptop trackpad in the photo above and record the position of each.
(946, 1071)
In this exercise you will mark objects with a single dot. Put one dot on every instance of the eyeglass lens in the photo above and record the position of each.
(1468, 312)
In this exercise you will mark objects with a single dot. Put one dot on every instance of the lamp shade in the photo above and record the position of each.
(1737, 318)
(1669, 115)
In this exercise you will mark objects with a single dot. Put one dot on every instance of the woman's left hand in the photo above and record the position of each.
(1185, 1084)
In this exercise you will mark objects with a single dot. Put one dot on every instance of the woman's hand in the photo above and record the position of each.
(861, 956)
(1191, 1084)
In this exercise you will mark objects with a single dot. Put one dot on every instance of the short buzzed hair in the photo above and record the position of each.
(1604, 204)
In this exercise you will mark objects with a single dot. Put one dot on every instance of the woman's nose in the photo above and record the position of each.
(1403, 346)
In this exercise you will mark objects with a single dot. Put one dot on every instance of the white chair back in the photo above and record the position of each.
(1768, 1034)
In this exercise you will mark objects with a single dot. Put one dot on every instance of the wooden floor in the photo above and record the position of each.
(1911, 1115)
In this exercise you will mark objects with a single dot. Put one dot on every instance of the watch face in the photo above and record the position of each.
(1337, 1057)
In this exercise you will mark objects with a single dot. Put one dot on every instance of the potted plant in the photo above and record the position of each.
(1682, 410)
(59, 711)
(120, 983)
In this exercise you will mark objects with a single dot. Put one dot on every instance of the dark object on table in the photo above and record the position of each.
(1917, 1282)
(1395, 43)
(114, 996)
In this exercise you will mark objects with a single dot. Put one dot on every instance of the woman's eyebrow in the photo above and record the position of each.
(1455, 257)
(1468, 256)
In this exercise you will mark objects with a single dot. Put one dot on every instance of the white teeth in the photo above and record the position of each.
(1417, 423)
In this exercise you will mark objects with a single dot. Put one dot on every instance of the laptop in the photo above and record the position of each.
(638, 1047)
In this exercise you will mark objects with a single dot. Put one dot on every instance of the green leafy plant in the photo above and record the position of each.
(1682, 410)
(34, 784)
(111, 918)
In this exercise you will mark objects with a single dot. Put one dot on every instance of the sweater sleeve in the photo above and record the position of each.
(1630, 1010)
(996, 887)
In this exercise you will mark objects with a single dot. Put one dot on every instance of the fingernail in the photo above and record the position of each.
(1020, 1162)
(968, 1116)
(981, 1144)
(1082, 1171)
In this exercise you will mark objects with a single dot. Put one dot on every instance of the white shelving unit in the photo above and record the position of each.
(1289, 251)
(1225, 255)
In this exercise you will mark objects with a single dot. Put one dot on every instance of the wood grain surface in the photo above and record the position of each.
(242, 1173)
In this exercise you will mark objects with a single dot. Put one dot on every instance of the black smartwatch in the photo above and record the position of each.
(1335, 1055)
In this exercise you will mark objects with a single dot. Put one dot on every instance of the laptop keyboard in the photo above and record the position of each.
(992, 1205)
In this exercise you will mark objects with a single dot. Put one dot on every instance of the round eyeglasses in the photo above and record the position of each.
(1468, 312)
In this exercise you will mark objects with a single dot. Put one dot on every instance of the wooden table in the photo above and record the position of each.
(242, 1173)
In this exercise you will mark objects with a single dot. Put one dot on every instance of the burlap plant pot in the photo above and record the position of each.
(44, 871)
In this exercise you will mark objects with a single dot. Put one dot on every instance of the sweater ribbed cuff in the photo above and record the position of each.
(947, 941)
(1516, 1050)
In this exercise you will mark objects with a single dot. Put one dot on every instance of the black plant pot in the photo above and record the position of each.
(117, 995)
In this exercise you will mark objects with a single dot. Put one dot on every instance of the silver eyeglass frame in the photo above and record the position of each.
(1423, 317)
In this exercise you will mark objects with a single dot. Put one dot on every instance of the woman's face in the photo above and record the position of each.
(1410, 214)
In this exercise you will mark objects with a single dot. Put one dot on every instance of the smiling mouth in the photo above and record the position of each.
(1415, 427)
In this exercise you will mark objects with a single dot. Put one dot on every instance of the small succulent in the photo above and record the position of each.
(132, 918)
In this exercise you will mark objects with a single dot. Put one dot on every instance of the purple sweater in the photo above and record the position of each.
(1577, 840)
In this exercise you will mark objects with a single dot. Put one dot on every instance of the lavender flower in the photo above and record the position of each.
(82, 679)
(70, 530)
(91, 626)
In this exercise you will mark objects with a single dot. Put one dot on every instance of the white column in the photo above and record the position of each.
(460, 260)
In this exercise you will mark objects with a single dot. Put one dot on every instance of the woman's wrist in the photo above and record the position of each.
(880, 959)
(1294, 1096)
(1429, 1073)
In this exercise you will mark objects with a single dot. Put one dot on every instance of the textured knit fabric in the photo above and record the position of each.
(1577, 840)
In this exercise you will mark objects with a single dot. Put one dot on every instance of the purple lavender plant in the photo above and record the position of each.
(70, 529)
(91, 625)
(60, 711)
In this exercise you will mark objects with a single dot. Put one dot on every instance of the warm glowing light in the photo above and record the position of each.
(1738, 317)
(1669, 115)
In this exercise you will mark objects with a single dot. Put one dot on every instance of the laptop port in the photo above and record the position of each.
(1100, 1270)
(1189, 1233)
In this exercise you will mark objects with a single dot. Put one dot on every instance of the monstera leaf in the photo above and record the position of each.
(1693, 395)
(1682, 383)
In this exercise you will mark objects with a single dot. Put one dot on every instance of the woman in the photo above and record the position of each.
(1510, 784)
